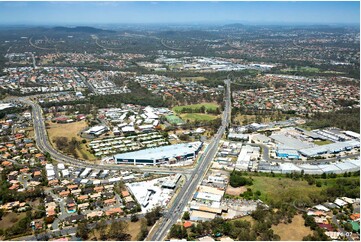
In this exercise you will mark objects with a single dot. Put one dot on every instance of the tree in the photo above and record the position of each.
(186, 215)
(153, 216)
(101, 226)
(117, 231)
(237, 180)
(82, 230)
(143, 231)
(348, 227)
(178, 231)
(134, 218)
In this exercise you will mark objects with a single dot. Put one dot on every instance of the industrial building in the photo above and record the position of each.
(333, 148)
(246, 156)
(287, 153)
(237, 136)
(337, 167)
(161, 155)
(290, 142)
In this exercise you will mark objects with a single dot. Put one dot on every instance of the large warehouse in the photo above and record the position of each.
(333, 148)
(161, 155)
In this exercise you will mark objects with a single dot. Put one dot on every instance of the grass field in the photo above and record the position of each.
(322, 142)
(197, 117)
(293, 231)
(208, 106)
(70, 130)
(279, 189)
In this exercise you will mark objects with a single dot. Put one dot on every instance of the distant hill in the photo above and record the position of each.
(81, 29)
(235, 26)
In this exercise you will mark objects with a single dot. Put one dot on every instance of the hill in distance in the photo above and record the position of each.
(81, 29)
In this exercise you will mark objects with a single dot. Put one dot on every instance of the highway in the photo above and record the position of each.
(188, 189)
(42, 142)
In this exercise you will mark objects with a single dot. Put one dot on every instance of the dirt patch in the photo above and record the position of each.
(235, 191)
(70, 130)
(35, 203)
(9, 219)
(293, 231)
(134, 229)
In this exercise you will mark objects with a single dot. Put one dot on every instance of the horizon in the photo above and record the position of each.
(179, 13)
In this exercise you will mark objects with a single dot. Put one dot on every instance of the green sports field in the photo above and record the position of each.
(198, 117)
(173, 119)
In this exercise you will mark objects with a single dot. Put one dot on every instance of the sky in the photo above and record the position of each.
(49, 13)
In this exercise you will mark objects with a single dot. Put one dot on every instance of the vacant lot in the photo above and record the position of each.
(9, 219)
(133, 229)
(244, 119)
(70, 130)
(235, 191)
(196, 78)
(322, 142)
(208, 106)
(293, 231)
(197, 117)
(283, 189)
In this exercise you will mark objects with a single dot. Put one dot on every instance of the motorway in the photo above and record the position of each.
(42, 142)
(188, 189)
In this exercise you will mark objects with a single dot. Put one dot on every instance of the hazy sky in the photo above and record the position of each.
(178, 12)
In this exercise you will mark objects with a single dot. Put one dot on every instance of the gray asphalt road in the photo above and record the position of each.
(187, 191)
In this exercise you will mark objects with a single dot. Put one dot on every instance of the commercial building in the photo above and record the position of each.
(97, 130)
(237, 136)
(161, 155)
(201, 216)
(205, 196)
(171, 183)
